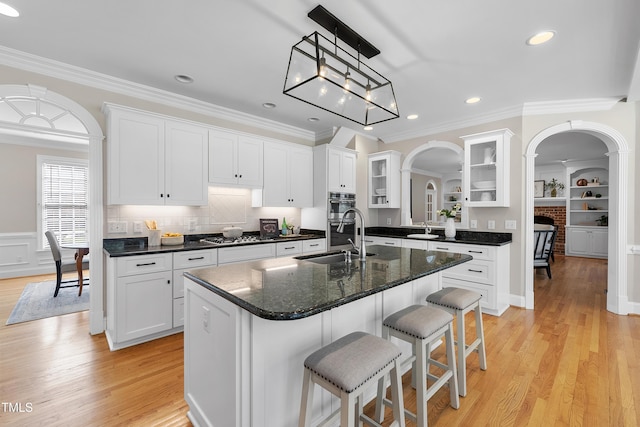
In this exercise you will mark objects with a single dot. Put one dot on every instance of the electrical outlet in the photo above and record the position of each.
(117, 227)
(191, 224)
(510, 224)
(137, 226)
(388, 221)
(473, 223)
(491, 224)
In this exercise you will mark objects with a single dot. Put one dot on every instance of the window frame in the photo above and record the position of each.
(41, 159)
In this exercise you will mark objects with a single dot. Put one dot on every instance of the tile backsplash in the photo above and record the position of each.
(227, 206)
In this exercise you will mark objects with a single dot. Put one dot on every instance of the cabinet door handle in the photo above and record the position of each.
(168, 282)
(196, 258)
(145, 263)
(168, 195)
(161, 195)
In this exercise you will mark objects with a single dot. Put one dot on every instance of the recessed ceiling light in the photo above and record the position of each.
(9, 11)
(183, 78)
(472, 100)
(269, 105)
(368, 128)
(313, 119)
(412, 116)
(540, 38)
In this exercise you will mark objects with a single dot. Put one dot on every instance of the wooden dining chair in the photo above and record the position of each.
(543, 241)
(63, 266)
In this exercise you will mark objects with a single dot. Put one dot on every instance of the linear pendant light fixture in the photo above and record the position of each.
(323, 74)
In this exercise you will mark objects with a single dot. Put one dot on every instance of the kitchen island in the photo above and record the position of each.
(249, 326)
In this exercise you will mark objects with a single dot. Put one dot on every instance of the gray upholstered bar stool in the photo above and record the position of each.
(346, 367)
(422, 326)
(459, 302)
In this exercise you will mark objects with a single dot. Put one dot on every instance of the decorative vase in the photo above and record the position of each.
(450, 229)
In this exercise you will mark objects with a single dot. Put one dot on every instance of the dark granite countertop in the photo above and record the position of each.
(293, 288)
(462, 236)
(139, 246)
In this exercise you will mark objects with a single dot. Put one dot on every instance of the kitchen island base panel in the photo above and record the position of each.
(243, 370)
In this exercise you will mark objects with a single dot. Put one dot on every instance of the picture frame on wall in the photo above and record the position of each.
(538, 188)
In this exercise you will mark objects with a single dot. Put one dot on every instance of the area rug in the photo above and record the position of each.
(37, 302)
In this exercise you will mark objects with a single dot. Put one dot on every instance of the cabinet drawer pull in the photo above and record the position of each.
(290, 247)
(474, 271)
(444, 249)
(315, 244)
(146, 263)
(196, 258)
(475, 252)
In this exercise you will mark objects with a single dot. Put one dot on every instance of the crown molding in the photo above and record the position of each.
(36, 64)
(493, 116)
(569, 106)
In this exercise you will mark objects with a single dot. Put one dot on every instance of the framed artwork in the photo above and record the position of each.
(538, 188)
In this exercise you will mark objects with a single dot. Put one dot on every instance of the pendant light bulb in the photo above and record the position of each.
(368, 92)
(323, 67)
(347, 81)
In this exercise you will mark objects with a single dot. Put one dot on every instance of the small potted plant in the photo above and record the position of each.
(554, 185)
(603, 221)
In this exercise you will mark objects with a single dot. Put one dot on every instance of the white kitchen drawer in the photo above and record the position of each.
(178, 312)
(141, 264)
(476, 251)
(475, 270)
(288, 248)
(415, 244)
(385, 241)
(314, 245)
(488, 292)
(193, 259)
(246, 253)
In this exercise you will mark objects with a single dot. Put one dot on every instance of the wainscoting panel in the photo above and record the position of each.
(19, 256)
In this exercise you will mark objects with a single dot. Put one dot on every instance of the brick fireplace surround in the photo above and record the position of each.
(559, 215)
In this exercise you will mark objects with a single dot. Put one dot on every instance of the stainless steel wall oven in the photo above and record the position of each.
(337, 206)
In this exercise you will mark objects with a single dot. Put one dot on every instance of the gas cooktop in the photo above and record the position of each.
(223, 241)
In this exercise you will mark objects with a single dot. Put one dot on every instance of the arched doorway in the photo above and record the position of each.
(617, 299)
(457, 155)
(34, 112)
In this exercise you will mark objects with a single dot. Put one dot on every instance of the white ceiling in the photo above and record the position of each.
(436, 53)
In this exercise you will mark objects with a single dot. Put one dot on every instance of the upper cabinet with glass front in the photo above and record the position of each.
(486, 168)
(384, 180)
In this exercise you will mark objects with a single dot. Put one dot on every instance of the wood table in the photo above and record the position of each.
(81, 249)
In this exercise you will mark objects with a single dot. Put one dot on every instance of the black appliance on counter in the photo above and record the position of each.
(338, 204)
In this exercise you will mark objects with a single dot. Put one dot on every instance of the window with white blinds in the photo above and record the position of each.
(64, 199)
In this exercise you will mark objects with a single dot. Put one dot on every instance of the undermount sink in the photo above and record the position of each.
(327, 258)
(423, 236)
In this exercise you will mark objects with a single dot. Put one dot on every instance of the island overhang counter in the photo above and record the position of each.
(249, 326)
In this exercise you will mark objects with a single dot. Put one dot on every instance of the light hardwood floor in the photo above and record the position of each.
(568, 362)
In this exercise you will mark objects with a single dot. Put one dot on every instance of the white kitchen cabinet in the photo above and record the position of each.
(183, 261)
(486, 168)
(415, 244)
(288, 175)
(235, 159)
(384, 180)
(341, 170)
(152, 160)
(139, 299)
(487, 273)
(288, 248)
(385, 241)
(233, 254)
(590, 242)
(314, 246)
